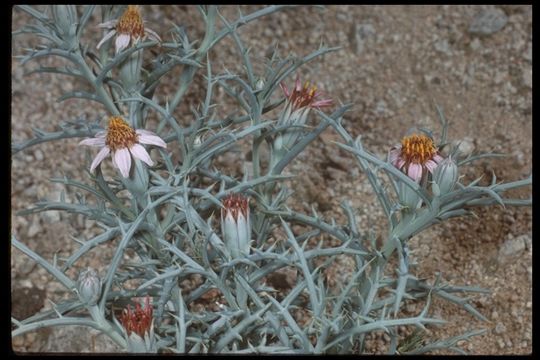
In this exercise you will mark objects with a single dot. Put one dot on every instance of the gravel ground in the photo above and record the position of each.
(395, 61)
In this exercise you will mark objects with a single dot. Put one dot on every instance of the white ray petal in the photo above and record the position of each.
(109, 35)
(122, 42)
(108, 24)
(93, 142)
(415, 171)
(152, 34)
(99, 157)
(123, 161)
(140, 153)
(151, 140)
(431, 165)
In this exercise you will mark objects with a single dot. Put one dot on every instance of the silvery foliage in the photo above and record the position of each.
(167, 220)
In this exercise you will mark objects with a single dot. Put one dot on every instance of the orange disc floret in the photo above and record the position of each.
(119, 134)
(417, 149)
(131, 22)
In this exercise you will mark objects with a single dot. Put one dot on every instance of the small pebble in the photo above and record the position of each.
(38, 155)
(526, 79)
(34, 228)
(500, 328)
(17, 341)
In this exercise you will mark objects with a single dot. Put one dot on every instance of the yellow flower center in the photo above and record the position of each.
(131, 22)
(303, 97)
(417, 149)
(119, 134)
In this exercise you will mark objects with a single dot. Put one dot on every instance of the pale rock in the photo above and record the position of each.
(51, 217)
(500, 328)
(476, 44)
(80, 339)
(466, 146)
(527, 55)
(443, 46)
(514, 247)
(34, 228)
(488, 21)
(360, 35)
(526, 78)
(38, 155)
(499, 77)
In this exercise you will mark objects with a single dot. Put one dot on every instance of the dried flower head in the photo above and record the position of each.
(139, 320)
(414, 155)
(235, 224)
(129, 29)
(122, 140)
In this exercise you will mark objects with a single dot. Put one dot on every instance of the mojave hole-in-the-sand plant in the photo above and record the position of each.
(154, 187)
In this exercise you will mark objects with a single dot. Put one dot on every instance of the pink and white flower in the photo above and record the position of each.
(122, 141)
(302, 97)
(300, 100)
(415, 155)
(129, 29)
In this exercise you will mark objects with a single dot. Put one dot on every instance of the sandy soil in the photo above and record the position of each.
(394, 63)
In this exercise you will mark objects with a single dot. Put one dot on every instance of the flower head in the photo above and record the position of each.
(235, 224)
(122, 141)
(129, 29)
(138, 321)
(294, 115)
(414, 155)
(304, 96)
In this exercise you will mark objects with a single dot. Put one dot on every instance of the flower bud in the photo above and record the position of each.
(146, 344)
(197, 142)
(259, 84)
(137, 184)
(130, 70)
(295, 119)
(446, 175)
(236, 225)
(89, 286)
(65, 18)
(408, 197)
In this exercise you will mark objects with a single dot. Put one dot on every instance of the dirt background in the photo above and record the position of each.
(394, 63)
